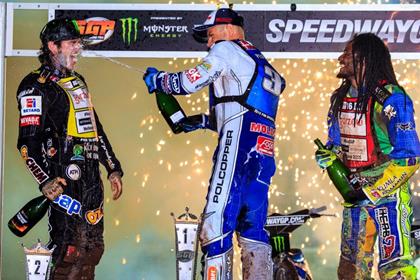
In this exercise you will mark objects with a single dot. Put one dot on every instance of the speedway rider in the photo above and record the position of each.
(371, 126)
(244, 94)
(62, 142)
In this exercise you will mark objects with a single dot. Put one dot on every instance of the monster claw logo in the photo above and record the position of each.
(279, 243)
(129, 29)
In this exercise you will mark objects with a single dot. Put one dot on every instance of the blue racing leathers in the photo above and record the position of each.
(382, 149)
(244, 94)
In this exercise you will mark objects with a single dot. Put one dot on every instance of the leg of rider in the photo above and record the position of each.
(256, 251)
(357, 239)
(393, 220)
(222, 207)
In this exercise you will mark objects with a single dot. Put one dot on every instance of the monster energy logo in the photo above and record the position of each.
(279, 243)
(129, 26)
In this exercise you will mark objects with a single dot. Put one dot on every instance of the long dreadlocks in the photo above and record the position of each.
(372, 65)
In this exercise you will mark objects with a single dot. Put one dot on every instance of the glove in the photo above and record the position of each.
(324, 158)
(192, 123)
(150, 78)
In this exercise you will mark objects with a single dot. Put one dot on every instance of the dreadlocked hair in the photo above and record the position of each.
(372, 64)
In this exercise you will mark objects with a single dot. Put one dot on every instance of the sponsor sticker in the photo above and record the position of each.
(94, 216)
(37, 172)
(30, 120)
(246, 45)
(71, 205)
(175, 85)
(77, 152)
(212, 273)
(265, 146)
(25, 92)
(31, 105)
(387, 246)
(262, 128)
(73, 172)
(24, 152)
(390, 112)
(192, 75)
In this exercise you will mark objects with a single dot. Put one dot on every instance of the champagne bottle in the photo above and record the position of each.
(29, 215)
(339, 174)
(171, 110)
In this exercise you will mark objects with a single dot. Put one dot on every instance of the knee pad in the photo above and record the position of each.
(256, 260)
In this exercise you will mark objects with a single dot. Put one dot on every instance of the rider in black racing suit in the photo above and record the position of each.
(60, 136)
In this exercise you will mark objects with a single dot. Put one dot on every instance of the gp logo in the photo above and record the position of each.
(71, 205)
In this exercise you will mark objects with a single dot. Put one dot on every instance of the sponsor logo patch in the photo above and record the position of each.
(71, 205)
(389, 111)
(265, 146)
(73, 172)
(212, 273)
(37, 172)
(24, 152)
(94, 216)
(29, 120)
(262, 128)
(25, 92)
(387, 246)
(175, 83)
(192, 75)
(31, 105)
(408, 126)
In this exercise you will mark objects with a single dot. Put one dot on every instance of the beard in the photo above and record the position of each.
(345, 73)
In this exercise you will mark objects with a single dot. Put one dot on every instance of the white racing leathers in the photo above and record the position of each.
(244, 94)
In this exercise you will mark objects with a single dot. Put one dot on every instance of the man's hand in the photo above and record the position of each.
(356, 195)
(324, 158)
(192, 123)
(116, 184)
(150, 78)
(53, 188)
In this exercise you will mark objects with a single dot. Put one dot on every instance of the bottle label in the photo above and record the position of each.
(176, 117)
(21, 227)
(21, 217)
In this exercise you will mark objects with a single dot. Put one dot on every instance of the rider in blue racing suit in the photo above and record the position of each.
(244, 94)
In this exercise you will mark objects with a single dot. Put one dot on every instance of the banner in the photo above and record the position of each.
(273, 31)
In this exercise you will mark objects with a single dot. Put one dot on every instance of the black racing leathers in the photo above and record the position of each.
(60, 135)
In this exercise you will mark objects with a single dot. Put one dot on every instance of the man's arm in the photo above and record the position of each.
(33, 106)
(398, 114)
(109, 160)
(190, 80)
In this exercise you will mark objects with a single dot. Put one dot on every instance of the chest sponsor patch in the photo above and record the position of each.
(30, 120)
(265, 146)
(31, 105)
(73, 172)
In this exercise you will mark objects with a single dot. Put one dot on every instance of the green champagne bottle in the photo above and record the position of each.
(339, 174)
(171, 110)
(29, 215)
